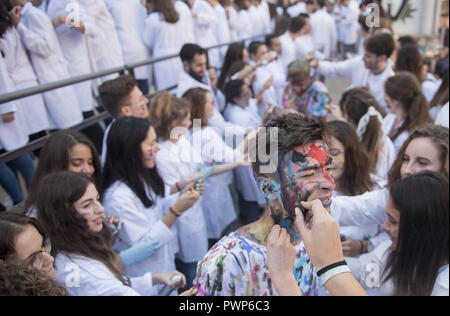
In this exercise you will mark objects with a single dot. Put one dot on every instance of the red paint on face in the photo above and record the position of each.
(321, 156)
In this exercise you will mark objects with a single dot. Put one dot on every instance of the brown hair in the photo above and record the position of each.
(405, 88)
(17, 279)
(409, 59)
(439, 135)
(164, 111)
(113, 93)
(55, 157)
(355, 103)
(167, 9)
(197, 100)
(11, 226)
(356, 177)
(66, 228)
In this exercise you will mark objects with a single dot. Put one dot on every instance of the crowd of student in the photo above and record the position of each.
(121, 211)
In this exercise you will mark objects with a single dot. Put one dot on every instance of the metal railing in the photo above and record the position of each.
(19, 94)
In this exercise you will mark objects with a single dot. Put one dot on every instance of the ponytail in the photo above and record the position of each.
(405, 88)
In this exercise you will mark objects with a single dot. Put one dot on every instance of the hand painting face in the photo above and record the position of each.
(302, 175)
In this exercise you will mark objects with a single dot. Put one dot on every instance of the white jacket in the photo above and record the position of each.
(129, 17)
(162, 39)
(175, 162)
(204, 30)
(104, 47)
(217, 203)
(288, 53)
(12, 135)
(82, 276)
(356, 70)
(39, 38)
(368, 269)
(245, 180)
(22, 75)
(324, 32)
(222, 30)
(74, 47)
(142, 224)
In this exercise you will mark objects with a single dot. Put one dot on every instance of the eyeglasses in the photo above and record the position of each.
(37, 259)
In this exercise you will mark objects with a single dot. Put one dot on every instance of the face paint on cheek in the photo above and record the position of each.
(321, 156)
(86, 214)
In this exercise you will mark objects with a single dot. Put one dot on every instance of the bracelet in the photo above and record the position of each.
(331, 266)
(177, 214)
(333, 272)
(177, 186)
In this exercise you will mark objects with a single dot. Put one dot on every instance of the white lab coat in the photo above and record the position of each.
(222, 30)
(324, 32)
(217, 204)
(363, 268)
(12, 135)
(188, 21)
(74, 47)
(82, 276)
(288, 53)
(39, 37)
(187, 82)
(430, 86)
(442, 117)
(388, 125)
(349, 23)
(233, 23)
(356, 70)
(362, 210)
(262, 75)
(245, 180)
(372, 232)
(129, 18)
(264, 13)
(296, 9)
(141, 224)
(256, 21)
(386, 157)
(175, 162)
(204, 30)
(277, 70)
(245, 29)
(22, 75)
(304, 46)
(104, 47)
(163, 39)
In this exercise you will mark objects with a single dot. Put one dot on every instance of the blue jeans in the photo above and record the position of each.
(9, 176)
(189, 269)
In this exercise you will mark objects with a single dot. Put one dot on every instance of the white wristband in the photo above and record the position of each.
(333, 272)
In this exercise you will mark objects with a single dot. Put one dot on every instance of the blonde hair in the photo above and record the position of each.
(165, 110)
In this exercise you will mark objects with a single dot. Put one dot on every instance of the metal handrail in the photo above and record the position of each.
(7, 97)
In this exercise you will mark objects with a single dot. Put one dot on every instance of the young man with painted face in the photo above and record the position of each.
(295, 171)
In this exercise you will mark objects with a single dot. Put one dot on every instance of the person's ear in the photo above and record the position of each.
(125, 111)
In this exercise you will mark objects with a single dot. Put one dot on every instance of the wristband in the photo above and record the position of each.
(177, 186)
(331, 266)
(325, 277)
(177, 214)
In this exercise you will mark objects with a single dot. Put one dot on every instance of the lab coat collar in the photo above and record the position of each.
(25, 8)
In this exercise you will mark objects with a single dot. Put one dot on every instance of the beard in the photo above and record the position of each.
(195, 75)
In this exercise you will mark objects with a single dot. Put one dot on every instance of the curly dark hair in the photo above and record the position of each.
(17, 279)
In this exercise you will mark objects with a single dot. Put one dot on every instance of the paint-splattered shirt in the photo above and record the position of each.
(237, 266)
(312, 103)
